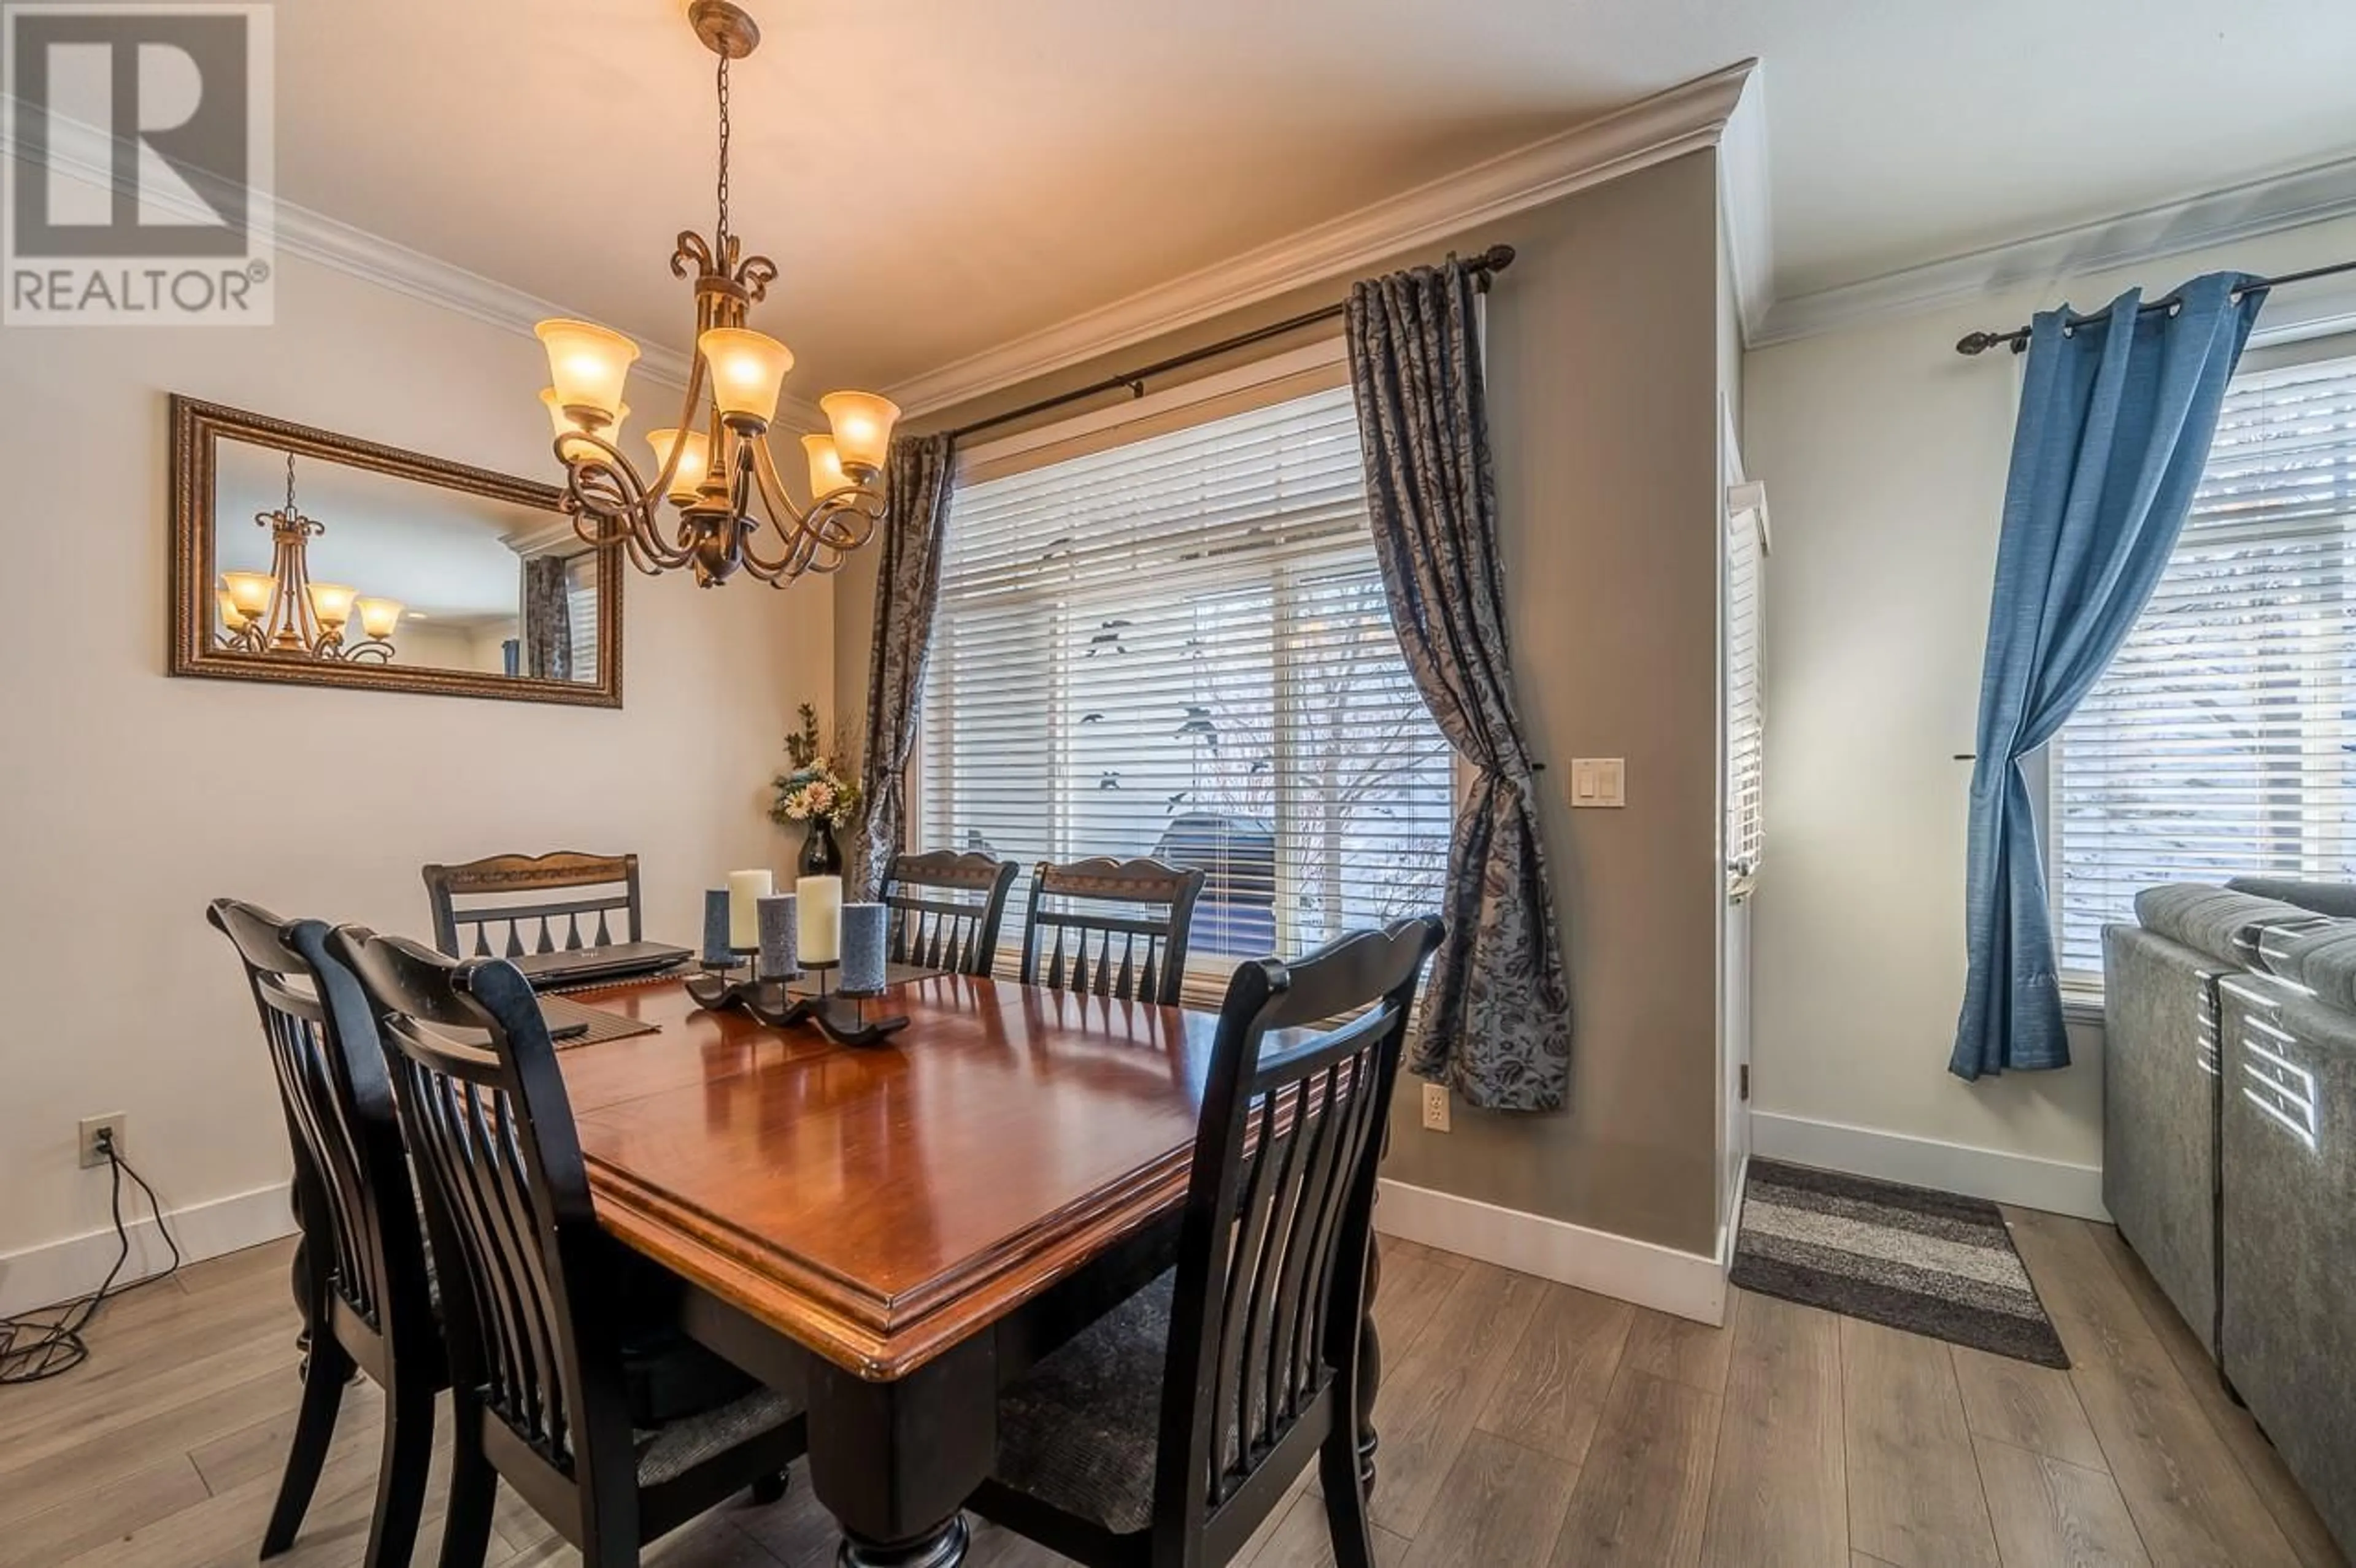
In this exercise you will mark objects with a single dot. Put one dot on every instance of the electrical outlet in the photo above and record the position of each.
(110, 1126)
(1435, 1107)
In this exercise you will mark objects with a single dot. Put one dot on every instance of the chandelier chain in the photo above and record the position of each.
(722, 236)
(290, 484)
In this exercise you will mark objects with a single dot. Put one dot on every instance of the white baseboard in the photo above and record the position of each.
(1685, 1284)
(1729, 1212)
(2055, 1186)
(60, 1270)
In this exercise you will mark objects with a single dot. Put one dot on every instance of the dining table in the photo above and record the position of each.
(891, 1233)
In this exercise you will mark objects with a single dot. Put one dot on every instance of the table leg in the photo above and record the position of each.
(1370, 1369)
(944, 1547)
(894, 1462)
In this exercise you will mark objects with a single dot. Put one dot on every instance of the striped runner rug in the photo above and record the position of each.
(1929, 1263)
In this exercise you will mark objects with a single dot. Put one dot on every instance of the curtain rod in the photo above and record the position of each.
(2017, 338)
(1484, 266)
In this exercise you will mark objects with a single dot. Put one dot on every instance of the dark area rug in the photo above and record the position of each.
(1929, 1262)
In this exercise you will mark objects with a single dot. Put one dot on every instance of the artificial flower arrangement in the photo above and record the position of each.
(812, 791)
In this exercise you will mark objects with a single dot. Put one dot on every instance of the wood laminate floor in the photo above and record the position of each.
(1523, 1423)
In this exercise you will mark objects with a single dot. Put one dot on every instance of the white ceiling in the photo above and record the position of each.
(935, 177)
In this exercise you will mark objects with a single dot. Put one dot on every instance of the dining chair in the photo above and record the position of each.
(1106, 939)
(1168, 1430)
(368, 1292)
(947, 907)
(541, 1385)
(492, 884)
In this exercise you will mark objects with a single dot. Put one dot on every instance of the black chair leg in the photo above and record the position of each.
(314, 1424)
(608, 1550)
(474, 1488)
(1346, 1498)
(770, 1489)
(401, 1473)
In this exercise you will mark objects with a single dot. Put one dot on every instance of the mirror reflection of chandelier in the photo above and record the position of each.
(714, 476)
(281, 614)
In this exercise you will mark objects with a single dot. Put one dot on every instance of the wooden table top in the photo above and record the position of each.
(879, 1205)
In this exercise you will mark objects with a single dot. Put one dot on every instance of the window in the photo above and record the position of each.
(2218, 742)
(1746, 754)
(581, 614)
(1172, 638)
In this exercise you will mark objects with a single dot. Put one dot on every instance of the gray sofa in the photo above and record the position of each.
(2229, 1148)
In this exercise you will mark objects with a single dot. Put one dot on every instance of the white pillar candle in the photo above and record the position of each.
(818, 919)
(745, 891)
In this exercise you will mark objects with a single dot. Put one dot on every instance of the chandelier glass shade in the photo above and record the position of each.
(714, 500)
(281, 614)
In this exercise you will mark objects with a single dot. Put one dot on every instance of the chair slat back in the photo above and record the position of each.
(507, 1203)
(358, 1205)
(496, 922)
(1271, 1266)
(1115, 929)
(946, 909)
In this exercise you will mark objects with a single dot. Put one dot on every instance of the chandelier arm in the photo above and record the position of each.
(642, 500)
(605, 486)
(847, 519)
(791, 524)
(837, 526)
(686, 425)
(642, 556)
(822, 522)
(776, 504)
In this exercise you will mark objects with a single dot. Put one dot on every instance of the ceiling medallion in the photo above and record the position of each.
(720, 479)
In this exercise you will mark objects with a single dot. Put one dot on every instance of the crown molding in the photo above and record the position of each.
(1745, 216)
(341, 247)
(86, 152)
(2267, 205)
(1654, 130)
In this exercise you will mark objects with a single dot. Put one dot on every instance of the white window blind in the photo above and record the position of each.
(2218, 743)
(1746, 551)
(1179, 645)
(580, 614)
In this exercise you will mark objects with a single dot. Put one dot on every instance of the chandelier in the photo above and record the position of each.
(714, 470)
(284, 614)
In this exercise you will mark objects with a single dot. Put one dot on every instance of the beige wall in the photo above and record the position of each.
(1603, 372)
(1884, 454)
(130, 798)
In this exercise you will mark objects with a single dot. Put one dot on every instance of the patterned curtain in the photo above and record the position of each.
(1496, 1014)
(907, 591)
(547, 619)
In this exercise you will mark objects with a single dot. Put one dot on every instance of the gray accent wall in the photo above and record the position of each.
(1604, 369)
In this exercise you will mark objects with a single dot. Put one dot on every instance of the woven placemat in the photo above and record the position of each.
(561, 1012)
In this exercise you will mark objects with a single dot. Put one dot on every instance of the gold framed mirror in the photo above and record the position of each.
(312, 559)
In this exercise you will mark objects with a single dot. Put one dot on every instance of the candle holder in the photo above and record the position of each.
(855, 1028)
(770, 1001)
(721, 986)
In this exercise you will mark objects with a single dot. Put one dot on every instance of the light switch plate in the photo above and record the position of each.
(1599, 781)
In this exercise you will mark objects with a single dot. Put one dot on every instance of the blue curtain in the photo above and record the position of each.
(2116, 420)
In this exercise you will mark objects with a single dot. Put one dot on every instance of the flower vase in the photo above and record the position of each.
(821, 856)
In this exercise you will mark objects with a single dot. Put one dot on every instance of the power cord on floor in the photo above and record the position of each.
(41, 1345)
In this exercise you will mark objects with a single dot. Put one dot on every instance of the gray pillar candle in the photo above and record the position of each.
(715, 929)
(777, 957)
(862, 947)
